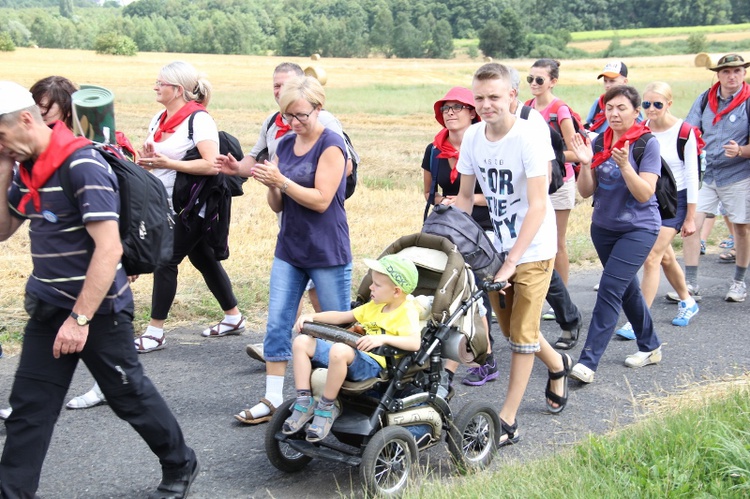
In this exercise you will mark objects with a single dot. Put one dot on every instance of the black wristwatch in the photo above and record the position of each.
(81, 320)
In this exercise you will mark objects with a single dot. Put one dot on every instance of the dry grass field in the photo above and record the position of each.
(386, 107)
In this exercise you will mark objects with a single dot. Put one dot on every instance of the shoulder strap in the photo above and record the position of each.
(525, 111)
(272, 120)
(639, 147)
(434, 166)
(682, 138)
(190, 124)
(528, 102)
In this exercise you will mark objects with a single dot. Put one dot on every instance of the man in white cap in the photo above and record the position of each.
(723, 114)
(78, 299)
(614, 73)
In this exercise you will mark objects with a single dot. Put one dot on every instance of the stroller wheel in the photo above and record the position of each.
(281, 454)
(472, 439)
(387, 461)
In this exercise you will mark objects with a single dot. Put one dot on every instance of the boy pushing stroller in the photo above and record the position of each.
(389, 318)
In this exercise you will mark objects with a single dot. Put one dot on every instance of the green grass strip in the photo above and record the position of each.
(581, 36)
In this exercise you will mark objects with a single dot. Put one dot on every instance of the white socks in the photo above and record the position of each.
(274, 394)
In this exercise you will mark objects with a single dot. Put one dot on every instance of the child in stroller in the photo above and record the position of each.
(387, 420)
(387, 319)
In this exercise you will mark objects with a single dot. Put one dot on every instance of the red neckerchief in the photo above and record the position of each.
(634, 133)
(169, 125)
(62, 144)
(713, 100)
(599, 118)
(447, 151)
(282, 127)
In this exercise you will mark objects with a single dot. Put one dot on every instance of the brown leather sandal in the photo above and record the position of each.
(246, 417)
(233, 329)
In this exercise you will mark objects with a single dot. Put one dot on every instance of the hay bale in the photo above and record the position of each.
(317, 72)
(703, 60)
(315, 57)
(488, 59)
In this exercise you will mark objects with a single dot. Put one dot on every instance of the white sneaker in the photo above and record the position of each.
(695, 292)
(91, 398)
(737, 292)
(641, 359)
(596, 287)
(255, 351)
(5, 413)
(582, 373)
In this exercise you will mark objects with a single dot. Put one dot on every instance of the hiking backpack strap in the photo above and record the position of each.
(434, 167)
(682, 138)
(525, 111)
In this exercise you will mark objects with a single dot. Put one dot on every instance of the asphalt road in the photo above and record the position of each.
(95, 455)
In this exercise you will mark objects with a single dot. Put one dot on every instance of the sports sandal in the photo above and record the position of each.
(568, 339)
(729, 256)
(246, 417)
(510, 432)
(140, 348)
(727, 243)
(322, 423)
(228, 329)
(552, 396)
(300, 416)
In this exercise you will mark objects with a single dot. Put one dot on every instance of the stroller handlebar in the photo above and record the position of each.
(488, 286)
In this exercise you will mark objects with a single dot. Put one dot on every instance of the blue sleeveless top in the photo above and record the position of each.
(309, 239)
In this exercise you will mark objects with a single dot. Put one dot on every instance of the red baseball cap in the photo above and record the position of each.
(458, 94)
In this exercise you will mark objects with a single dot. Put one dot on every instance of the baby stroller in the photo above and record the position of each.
(386, 421)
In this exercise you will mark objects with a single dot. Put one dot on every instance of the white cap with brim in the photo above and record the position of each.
(14, 97)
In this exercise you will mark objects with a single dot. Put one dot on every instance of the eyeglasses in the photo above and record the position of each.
(647, 104)
(301, 117)
(539, 80)
(159, 83)
(456, 108)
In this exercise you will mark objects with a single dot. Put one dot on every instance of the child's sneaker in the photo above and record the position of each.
(477, 376)
(626, 332)
(684, 314)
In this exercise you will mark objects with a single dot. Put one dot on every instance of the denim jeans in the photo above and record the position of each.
(621, 254)
(333, 285)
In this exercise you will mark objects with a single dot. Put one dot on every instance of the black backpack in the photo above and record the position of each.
(558, 145)
(666, 187)
(227, 144)
(351, 179)
(146, 223)
(468, 236)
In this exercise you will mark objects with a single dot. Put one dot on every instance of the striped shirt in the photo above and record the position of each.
(720, 169)
(61, 247)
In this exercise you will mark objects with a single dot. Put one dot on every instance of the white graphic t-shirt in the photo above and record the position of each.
(502, 169)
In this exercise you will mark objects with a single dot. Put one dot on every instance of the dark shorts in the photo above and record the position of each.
(676, 222)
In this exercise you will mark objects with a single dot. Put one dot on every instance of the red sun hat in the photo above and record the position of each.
(458, 94)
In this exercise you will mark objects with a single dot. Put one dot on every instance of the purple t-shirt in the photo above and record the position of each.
(309, 239)
(615, 208)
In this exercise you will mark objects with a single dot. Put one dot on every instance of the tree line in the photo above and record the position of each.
(343, 28)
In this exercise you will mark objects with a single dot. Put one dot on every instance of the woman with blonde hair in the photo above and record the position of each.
(657, 101)
(306, 183)
(185, 93)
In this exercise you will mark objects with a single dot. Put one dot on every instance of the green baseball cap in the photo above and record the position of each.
(402, 272)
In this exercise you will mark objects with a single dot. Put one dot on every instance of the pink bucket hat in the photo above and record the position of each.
(458, 94)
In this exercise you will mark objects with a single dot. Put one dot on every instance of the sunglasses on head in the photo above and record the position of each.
(647, 104)
(539, 80)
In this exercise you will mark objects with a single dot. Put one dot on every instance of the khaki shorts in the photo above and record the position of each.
(520, 319)
(565, 197)
(735, 199)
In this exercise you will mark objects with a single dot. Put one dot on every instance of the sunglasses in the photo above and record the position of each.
(647, 104)
(539, 80)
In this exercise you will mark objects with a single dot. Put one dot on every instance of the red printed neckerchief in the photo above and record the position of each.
(713, 100)
(600, 118)
(282, 127)
(169, 125)
(62, 144)
(447, 151)
(634, 133)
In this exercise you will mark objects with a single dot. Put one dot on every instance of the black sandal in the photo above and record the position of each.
(564, 343)
(552, 396)
(510, 432)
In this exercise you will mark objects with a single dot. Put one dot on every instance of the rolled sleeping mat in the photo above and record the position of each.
(94, 114)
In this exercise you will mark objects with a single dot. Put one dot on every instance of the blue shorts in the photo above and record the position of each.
(676, 222)
(363, 367)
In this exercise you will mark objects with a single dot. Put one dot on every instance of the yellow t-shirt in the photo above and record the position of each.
(404, 321)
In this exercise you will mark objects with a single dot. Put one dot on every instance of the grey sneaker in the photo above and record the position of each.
(737, 291)
(695, 292)
(641, 359)
(255, 351)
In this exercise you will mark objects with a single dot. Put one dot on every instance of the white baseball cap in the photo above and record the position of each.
(14, 97)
